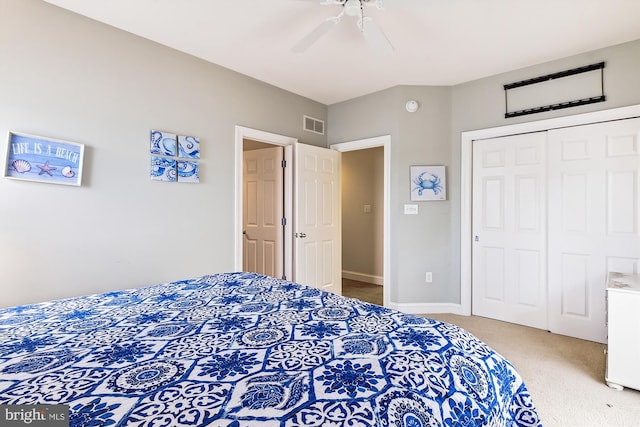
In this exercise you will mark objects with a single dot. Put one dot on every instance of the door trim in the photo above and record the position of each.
(466, 175)
(385, 142)
(241, 133)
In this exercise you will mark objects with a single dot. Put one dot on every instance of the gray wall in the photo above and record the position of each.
(65, 76)
(417, 241)
(480, 104)
(362, 180)
(68, 77)
(430, 241)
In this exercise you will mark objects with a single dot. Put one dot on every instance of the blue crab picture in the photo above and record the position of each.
(431, 183)
(428, 182)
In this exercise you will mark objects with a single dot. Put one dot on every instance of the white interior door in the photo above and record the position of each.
(317, 238)
(594, 217)
(509, 229)
(263, 211)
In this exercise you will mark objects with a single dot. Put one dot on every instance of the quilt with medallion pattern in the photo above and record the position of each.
(241, 349)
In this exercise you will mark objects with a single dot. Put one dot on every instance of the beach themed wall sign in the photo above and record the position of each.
(174, 157)
(42, 159)
(428, 183)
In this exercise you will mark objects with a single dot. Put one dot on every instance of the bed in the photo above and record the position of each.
(242, 349)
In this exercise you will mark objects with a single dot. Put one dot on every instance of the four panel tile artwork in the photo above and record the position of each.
(172, 157)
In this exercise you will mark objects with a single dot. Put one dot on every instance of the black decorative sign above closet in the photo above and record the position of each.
(564, 89)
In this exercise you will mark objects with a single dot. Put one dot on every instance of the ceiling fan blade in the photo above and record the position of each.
(314, 35)
(375, 37)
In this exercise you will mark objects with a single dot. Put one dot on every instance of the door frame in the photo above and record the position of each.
(241, 133)
(466, 175)
(363, 144)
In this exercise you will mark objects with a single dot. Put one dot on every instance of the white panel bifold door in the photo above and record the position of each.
(553, 213)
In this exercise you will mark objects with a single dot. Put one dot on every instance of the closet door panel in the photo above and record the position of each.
(509, 211)
(593, 217)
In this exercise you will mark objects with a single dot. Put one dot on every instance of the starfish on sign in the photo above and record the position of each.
(46, 168)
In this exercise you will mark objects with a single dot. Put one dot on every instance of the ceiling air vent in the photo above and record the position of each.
(313, 125)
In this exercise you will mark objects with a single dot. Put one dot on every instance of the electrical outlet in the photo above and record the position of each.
(428, 277)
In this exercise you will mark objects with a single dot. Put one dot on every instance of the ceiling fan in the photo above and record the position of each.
(374, 36)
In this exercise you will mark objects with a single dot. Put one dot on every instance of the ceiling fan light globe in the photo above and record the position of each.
(352, 7)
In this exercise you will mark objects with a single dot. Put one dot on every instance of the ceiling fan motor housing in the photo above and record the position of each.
(353, 7)
(374, 36)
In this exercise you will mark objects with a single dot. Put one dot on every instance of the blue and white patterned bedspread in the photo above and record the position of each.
(242, 349)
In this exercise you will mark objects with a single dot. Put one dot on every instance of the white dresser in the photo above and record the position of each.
(623, 325)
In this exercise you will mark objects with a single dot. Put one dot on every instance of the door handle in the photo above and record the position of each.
(301, 235)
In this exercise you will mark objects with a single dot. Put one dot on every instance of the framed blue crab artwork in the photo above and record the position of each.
(428, 183)
(41, 159)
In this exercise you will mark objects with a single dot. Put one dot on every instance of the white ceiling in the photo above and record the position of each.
(437, 42)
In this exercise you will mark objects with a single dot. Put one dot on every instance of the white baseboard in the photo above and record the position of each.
(362, 277)
(411, 308)
(426, 308)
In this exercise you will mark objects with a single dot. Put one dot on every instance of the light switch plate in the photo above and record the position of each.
(411, 209)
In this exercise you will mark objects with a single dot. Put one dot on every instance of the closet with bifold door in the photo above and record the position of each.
(553, 212)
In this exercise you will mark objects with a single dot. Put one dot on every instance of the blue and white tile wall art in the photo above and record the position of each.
(163, 143)
(188, 171)
(188, 147)
(167, 151)
(163, 169)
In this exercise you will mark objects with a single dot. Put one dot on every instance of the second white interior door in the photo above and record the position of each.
(263, 211)
(317, 225)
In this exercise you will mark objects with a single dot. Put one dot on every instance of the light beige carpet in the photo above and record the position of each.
(564, 375)
(362, 291)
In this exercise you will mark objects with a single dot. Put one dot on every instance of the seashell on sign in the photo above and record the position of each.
(67, 172)
(21, 166)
